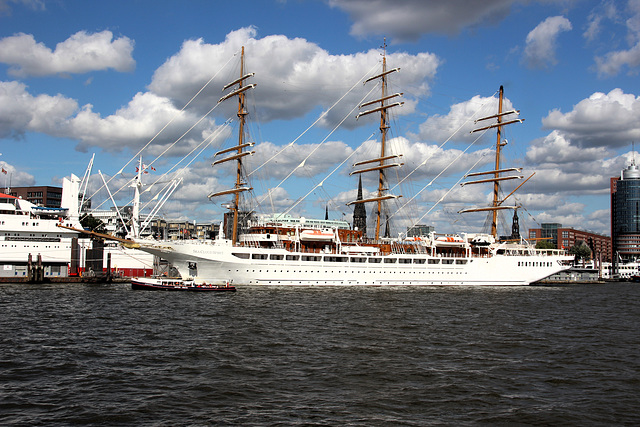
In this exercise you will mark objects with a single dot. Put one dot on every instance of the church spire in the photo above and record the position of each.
(360, 212)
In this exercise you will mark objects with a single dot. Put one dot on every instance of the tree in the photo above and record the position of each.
(88, 222)
(545, 244)
(581, 251)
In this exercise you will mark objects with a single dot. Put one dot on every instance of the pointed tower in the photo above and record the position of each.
(360, 212)
(515, 226)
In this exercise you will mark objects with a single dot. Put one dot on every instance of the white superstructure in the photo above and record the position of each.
(284, 259)
(29, 230)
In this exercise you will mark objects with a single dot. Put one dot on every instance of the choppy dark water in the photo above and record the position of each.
(107, 355)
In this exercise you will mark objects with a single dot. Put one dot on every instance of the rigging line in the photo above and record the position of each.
(424, 162)
(449, 191)
(210, 137)
(442, 171)
(204, 146)
(178, 140)
(317, 120)
(184, 134)
(124, 223)
(320, 144)
(322, 182)
(170, 121)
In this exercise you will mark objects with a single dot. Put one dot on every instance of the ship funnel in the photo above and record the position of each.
(70, 192)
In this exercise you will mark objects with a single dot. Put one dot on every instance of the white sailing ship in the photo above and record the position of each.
(276, 253)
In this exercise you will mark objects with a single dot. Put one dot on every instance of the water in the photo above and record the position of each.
(107, 355)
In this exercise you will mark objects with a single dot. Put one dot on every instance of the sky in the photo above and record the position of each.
(143, 78)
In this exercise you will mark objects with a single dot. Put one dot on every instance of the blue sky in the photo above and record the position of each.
(78, 78)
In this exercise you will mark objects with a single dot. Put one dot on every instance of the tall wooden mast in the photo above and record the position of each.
(382, 161)
(496, 183)
(384, 127)
(497, 172)
(239, 153)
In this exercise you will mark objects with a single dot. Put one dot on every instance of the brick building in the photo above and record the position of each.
(50, 197)
(565, 238)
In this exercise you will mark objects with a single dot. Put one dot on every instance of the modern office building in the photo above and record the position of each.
(625, 214)
(420, 230)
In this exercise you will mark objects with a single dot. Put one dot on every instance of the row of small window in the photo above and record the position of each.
(30, 234)
(534, 264)
(33, 223)
(352, 272)
(334, 258)
(30, 246)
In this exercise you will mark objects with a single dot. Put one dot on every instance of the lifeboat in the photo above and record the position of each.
(316, 235)
(449, 240)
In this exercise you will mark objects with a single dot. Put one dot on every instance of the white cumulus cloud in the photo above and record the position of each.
(22, 112)
(303, 78)
(81, 53)
(541, 43)
(602, 120)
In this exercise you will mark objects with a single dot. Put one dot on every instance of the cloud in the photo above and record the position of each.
(459, 122)
(607, 11)
(557, 150)
(5, 8)
(130, 127)
(136, 124)
(602, 120)
(80, 53)
(303, 78)
(540, 49)
(22, 112)
(18, 178)
(409, 19)
(613, 62)
(554, 180)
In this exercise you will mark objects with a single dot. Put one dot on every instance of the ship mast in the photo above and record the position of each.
(384, 127)
(135, 214)
(239, 153)
(497, 172)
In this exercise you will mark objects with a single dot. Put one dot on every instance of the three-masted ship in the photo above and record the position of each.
(282, 254)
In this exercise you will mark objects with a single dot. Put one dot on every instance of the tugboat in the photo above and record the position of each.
(174, 284)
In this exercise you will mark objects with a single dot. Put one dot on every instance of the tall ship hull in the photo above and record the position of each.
(219, 262)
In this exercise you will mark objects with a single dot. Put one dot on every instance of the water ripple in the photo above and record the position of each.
(107, 355)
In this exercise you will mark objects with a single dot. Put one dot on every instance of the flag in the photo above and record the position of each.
(152, 168)
(4, 171)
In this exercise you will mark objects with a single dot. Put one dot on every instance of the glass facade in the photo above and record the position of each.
(550, 232)
(625, 204)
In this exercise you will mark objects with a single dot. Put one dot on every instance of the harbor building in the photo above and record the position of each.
(566, 237)
(625, 214)
(420, 230)
(50, 197)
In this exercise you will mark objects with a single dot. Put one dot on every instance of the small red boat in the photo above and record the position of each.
(167, 284)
